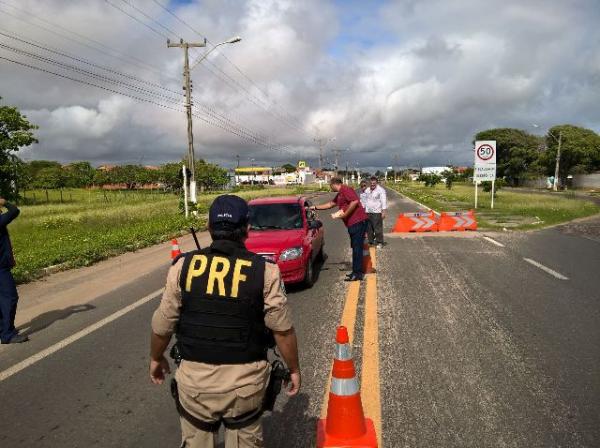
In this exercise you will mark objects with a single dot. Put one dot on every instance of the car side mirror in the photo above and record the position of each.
(316, 224)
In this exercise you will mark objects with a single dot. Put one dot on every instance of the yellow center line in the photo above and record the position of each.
(370, 384)
(348, 321)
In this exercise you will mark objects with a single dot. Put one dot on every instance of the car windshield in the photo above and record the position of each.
(275, 216)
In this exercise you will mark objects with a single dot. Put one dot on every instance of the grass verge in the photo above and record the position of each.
(512, 209)
(94, 225)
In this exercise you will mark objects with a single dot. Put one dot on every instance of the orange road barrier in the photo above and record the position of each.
(345, 425)
(175, 252)
(367, 262)
(416, 222)
(457, 221)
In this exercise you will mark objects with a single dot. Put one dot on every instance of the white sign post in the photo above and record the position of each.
(485, 165)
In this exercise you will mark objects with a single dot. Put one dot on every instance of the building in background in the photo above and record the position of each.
(252, 175)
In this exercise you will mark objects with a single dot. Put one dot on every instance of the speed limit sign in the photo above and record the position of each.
(485, 160)
(485, 152)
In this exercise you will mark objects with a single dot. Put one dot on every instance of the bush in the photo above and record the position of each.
(431, 180)
(487, 186)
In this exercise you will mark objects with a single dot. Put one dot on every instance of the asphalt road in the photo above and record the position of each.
(476, 346)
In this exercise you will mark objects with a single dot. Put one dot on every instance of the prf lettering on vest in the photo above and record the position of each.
(219, 268)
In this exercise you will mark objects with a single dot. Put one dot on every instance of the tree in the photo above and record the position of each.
(15, 132)
(580, 150)
(50, 178)
(171, 176)
(449, 176)
(516, 151)
(210, 176)
(79, 175)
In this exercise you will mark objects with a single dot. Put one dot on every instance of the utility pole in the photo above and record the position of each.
(395, 167)
(556, 168)
(320, 142)
(336, 152)
(187, 86)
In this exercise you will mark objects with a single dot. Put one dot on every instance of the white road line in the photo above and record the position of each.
(75, 337)
(493, 241)
(546, 269)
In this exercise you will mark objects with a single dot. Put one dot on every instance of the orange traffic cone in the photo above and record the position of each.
(345, 425)
(175, 252)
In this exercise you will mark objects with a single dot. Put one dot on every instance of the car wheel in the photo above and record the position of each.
(321, 255)
(309, 276)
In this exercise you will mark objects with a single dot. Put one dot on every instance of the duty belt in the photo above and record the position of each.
(232, 423)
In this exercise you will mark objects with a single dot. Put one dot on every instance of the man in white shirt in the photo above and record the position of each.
(375, 203)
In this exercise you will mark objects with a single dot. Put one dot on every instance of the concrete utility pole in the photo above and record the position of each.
(322, 143)
(556, 168)
(187, 86)
(336, 152)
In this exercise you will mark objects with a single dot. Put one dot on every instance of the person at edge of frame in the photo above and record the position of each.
(222, 302)
(376, 206)
(9, 296)
(354, 217)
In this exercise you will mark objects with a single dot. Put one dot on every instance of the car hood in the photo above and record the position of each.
(274, 240)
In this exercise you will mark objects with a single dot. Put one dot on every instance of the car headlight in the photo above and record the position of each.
(291, 254)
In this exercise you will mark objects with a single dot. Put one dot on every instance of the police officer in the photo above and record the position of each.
(222, 302)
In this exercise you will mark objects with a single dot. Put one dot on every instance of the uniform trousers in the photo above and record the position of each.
(211, 407)
(8, 305)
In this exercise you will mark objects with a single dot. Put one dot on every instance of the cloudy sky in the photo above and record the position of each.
(404, 82)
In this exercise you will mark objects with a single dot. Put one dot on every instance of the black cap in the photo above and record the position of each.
(228, 211)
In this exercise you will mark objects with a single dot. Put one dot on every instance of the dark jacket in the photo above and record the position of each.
(7, 260)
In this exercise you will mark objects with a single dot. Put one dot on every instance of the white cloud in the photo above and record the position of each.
(416, 78)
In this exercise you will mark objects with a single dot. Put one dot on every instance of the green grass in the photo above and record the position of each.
(93, 226)
(512, 209)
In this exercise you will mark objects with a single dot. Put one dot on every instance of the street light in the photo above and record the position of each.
(557, 165)
(232, 40)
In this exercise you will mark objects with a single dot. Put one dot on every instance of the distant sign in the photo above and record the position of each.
(301, 164)
(485, 161)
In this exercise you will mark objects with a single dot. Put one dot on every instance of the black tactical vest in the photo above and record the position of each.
(222, 314)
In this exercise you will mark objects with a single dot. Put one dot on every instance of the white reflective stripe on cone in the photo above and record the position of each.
(344, 387)
(343, 352)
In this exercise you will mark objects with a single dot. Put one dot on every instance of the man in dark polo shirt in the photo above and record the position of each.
(355, 218)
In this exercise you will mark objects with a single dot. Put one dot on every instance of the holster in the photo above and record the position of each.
(279, 374)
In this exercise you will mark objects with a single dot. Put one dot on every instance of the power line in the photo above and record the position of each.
(151, 28)
(207, 109)
(131, 60)
(167, 37)
(224, 126)
(226, 123)
(58, 52)
(238, 69)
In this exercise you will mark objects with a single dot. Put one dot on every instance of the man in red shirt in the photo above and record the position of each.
(355, 218)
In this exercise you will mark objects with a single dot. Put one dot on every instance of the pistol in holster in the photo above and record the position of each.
(279, 375)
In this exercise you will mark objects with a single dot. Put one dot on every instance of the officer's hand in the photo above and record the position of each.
(158, 370)
(2, 202)
(293, 386)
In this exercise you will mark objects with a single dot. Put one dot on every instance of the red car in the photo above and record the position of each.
(285, 231)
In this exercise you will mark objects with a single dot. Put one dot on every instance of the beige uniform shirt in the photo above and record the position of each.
(198, 377)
